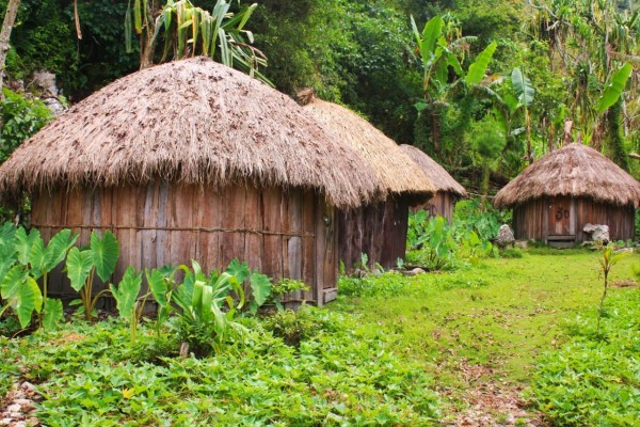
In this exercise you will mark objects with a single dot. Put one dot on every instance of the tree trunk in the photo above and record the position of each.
(5, 35)
(148, 36)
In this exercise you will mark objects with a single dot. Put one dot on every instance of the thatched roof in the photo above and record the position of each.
(397, 172)
(191, 121)
(436, 173)
(574, 170)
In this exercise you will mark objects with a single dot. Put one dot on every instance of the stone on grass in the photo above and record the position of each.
(505, 237)
(598, 232)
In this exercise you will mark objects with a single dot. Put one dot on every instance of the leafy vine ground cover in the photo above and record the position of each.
(398, 351)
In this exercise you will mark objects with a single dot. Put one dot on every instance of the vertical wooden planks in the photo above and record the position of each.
(211, 241)
(271, 210)
(181, 222)
(253, 243)
(308, 247)
(233, 219)
(148, 222)
(163, 237)
(294, 242)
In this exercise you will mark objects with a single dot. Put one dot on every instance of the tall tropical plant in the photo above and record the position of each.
(187, 30)
(83, 265)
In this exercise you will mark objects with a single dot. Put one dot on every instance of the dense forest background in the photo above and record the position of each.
(553, 61)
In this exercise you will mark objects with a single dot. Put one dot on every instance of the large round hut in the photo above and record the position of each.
(194, 160)
(556, 196)
(448, 190)
(379, 229)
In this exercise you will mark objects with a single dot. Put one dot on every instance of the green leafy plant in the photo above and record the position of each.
(284, 287)
(21, 118)
(25, 260)
(126, 295)
(83, 265)
(607, 260)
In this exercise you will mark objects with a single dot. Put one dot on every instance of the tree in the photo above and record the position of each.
(5, 35)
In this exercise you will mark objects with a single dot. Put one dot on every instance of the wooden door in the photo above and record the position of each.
(561, 217)
(326, 252)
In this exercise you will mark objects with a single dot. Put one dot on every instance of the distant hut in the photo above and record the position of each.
(377, 229)
(556, 196)
(448, 190)
(194, 160)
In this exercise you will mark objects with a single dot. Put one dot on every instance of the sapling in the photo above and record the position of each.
(608, 259)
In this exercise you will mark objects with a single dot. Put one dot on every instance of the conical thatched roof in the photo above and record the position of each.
(574, 170)
(192, 121)
(396, 171)
(436, 173)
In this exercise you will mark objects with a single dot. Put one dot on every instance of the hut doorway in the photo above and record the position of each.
(561, 223)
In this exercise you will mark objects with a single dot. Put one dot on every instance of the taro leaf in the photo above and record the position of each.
(158, 286)
(29, 298)
(58, 247)
(53, 313)
(614, 89)
(7, 236)
(37, 258)
(104, 252)
(237, 270)
(79, 264)
(127, 292)
(15, 278)
(476, 71)
(260, 287)
(24, 242)
(523, 87)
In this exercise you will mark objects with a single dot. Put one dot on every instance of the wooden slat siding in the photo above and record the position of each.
(394, 237)
(253, 221)
(442, 204)
(182, 207)
(620, 219)
(308, 244)
(294, 243)
(128, 211)
(233, 217)
(530, 220)
(272, 206)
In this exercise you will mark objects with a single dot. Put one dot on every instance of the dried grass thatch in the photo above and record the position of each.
(574, 170)
(191, 121)
(396, 171)
(436, 173)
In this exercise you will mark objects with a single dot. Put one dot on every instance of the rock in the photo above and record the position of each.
(414, 272)
(15, 408)
(598, 232)
(44, 83)
(505, 237)
(521, 244)
(28, 387)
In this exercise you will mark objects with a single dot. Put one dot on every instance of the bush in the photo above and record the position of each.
(21, 118)
(592, 380)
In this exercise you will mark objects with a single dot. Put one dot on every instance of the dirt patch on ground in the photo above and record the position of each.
(628, 283)
(486, 401)
(18, 408)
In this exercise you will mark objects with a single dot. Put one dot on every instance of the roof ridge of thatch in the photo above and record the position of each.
(397, 172)
(573, 170)
(194, 121)
(438, 175)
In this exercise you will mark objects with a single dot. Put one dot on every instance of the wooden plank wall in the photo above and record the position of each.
(529, 220)
(441, 204)
(274, 230)
(378, 230)
(620, 219)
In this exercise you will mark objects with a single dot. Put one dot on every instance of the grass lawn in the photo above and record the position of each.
(487, 323)
(434, 349)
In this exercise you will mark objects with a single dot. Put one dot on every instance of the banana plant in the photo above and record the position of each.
(83, 265)
(614, 88)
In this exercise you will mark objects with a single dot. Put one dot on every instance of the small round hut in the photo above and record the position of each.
(376, 229)
(194, 160)
(557, 195)
(448, 190)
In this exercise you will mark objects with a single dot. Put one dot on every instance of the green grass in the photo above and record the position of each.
(501, 315)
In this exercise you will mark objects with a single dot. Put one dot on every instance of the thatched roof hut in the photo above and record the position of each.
(377, 229)
(192, 159)
(561, 192)
(448, 190)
